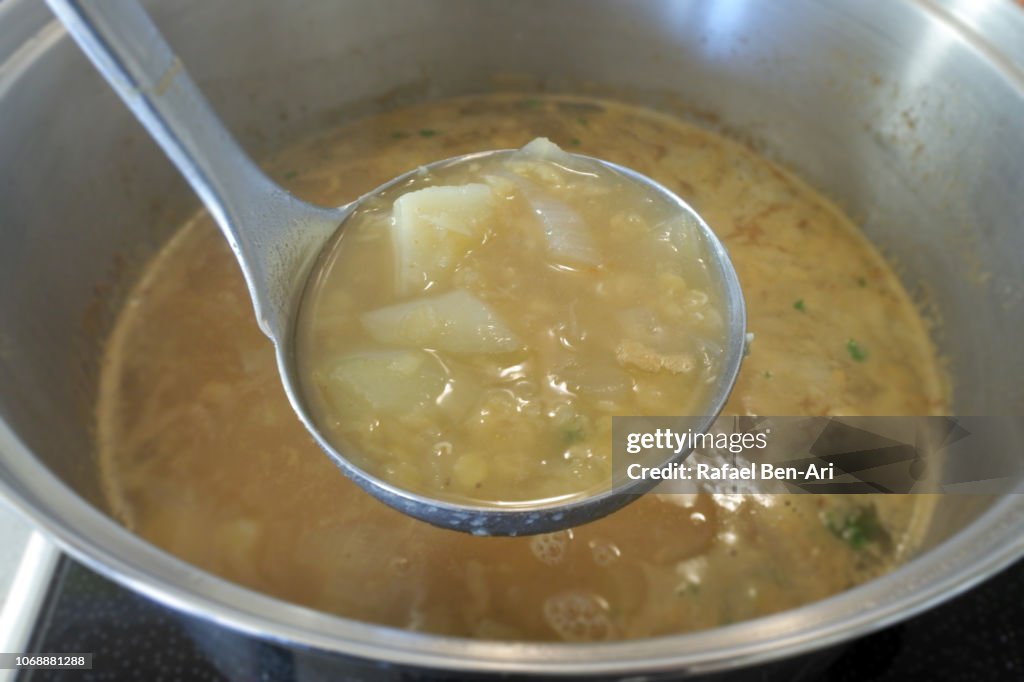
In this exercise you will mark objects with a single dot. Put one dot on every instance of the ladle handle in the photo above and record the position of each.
(273, 234)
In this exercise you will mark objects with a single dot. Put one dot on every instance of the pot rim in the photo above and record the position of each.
(990, 543)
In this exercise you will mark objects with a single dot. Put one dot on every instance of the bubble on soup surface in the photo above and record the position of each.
(550, 548)
(604, 552)
(578, 616)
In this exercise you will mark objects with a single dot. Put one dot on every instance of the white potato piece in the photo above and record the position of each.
(457, 322)
(396, 381)
(544, 149)
(434, 228)
(568, 236)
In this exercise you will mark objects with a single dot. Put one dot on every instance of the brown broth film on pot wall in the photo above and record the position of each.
(472, 331)
(203, 456)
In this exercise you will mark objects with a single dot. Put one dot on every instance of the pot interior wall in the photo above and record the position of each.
(909, 127)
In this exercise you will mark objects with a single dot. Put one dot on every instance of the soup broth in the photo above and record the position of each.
(203, 456)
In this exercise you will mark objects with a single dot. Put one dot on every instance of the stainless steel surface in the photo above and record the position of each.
(15, 532)
(274, 235)
(907, 113)
(27, 565)
(276, 238)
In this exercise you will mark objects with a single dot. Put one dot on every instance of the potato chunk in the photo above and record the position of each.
(434, 228)
(457, 322)
(541, 148)
(567, 235)
(395, 381)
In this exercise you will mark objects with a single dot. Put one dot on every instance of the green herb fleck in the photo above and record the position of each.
(582, 121)
(532, 103)
(573, 433)
(768, 375)
(575, 142)
(856, 527)
(856, 352)
(291, 174)
(427, 132)
(799, 305)
(399, 134)
(861, 282)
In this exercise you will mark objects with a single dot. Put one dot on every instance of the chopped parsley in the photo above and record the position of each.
(861, 282)
(574, 430)
(582, 121)
(767, 374)
(531, 103)
(427, 132)
(291, 174)
(575, 142)
(399, 134)
(799, 305)
(858, 353)
(857, 527)
(573, 433)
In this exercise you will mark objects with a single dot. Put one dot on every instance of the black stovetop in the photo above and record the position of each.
(978, 636)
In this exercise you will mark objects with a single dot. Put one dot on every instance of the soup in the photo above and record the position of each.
(202, 455)
(470, 333)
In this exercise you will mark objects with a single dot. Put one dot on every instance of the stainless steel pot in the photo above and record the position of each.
(908, 113)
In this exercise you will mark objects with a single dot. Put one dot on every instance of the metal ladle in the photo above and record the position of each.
(277, 237)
